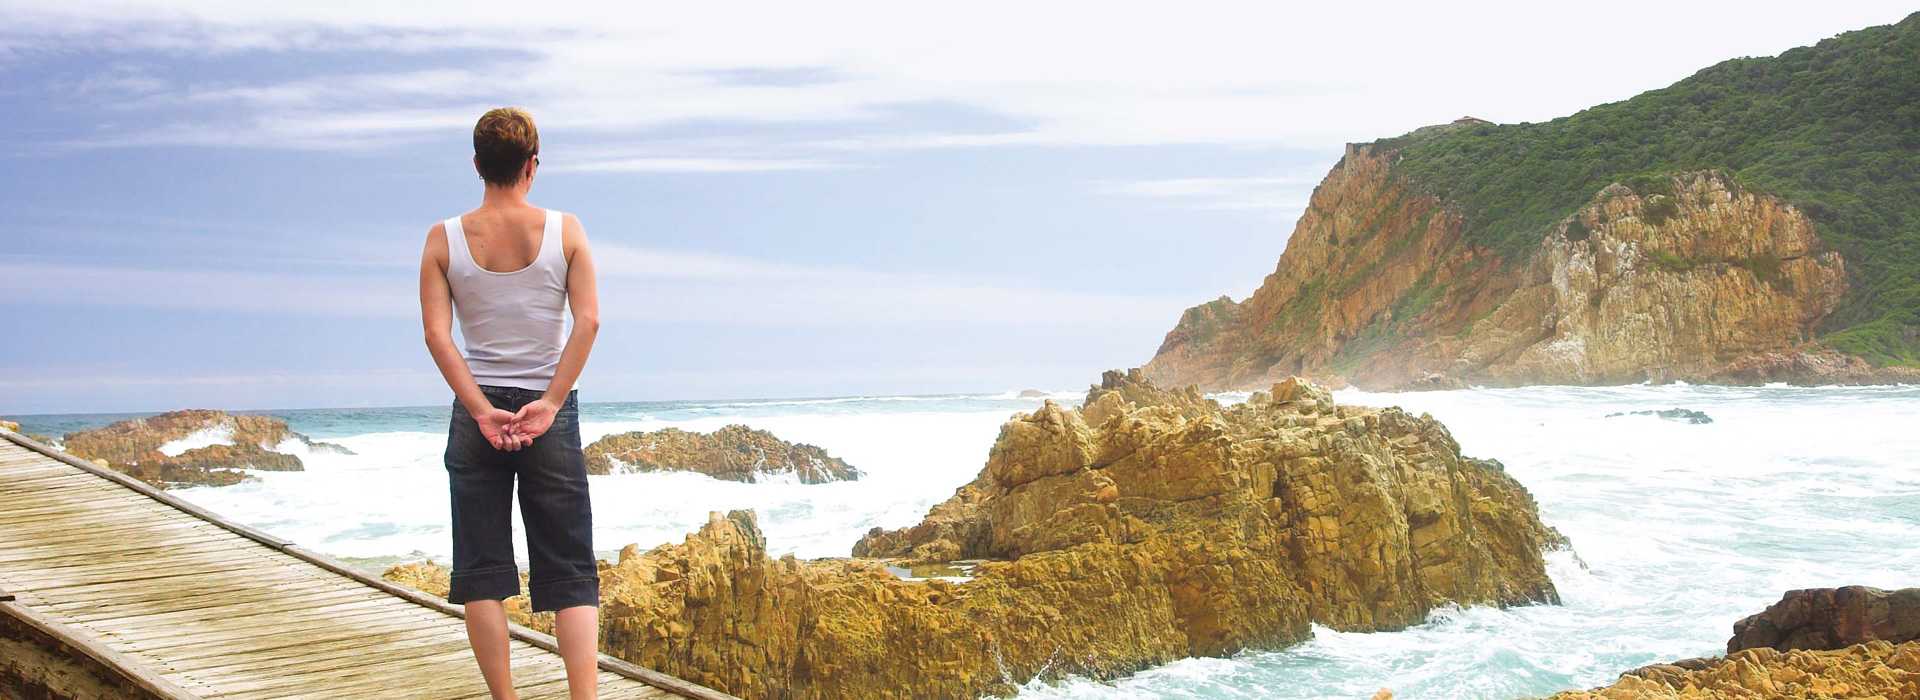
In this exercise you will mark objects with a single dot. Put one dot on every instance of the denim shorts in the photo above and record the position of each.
(552, 475)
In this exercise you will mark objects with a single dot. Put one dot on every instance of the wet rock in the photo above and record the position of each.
(1683, 415)
(1830, 618)
(734, 453)
(160, 449)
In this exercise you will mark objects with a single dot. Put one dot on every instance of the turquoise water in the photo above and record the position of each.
(1678, 529)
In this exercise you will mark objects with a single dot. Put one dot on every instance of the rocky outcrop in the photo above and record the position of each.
(1684, 277)
(734, 453)
(1849, 642)
(1360, 518)
(1830, 618)
(195, 447)
(1147, 526)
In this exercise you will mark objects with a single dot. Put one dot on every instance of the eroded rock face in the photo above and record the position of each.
(141, 447)
(734, 453)
(1830, 618)
(1148, 526)
(1689, 278)
(1370, 517)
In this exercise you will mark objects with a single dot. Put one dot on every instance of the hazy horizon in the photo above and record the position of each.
(220, 206)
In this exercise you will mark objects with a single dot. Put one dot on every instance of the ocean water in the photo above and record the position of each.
(1678, 529)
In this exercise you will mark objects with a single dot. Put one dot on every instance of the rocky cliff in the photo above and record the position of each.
(1752, 223)
(1851, 642)
(734, 453)
(1147, 526)
(1688, 277)
(194, 447)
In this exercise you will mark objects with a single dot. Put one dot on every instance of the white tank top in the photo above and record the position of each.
(514, 323)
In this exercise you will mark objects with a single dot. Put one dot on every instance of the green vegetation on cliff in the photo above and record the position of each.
(1833, 128)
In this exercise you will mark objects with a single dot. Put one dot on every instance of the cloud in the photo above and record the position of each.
(695, 165)
(1275, 194)
(1067, 73)
(637, 284)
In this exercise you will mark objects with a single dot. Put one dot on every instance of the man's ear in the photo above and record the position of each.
(476, 167)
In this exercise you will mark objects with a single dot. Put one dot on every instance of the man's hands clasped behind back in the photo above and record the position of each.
(513, 430)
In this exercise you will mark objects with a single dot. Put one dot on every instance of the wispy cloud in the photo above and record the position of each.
(696, 165)
(1072, 73)
(638, 284)
(1281, 194)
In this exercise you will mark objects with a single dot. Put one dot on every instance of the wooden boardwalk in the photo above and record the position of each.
(180, 603)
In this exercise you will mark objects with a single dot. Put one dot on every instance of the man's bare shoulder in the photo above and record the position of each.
(573, 235)
(437, 242)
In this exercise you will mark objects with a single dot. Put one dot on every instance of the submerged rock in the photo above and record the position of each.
(1148, 526)
(1684, 415)
(194, 447)
(734, 453)
(1032, 394)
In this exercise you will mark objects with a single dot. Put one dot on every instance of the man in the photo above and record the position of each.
(510, 271)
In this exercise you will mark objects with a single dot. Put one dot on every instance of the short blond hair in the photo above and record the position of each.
(503, 140)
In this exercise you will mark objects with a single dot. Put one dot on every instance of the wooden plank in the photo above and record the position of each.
(272, 644)
(25, 474)
(156, 575)
(26, 554)
(119, 663)
(166, 593)
(251, 622)
(316, 661)
(77, 509)
(358, 645)
(218, 610)
(52, 489)
(158, 643)
(137, 599)
(80, 590)
(83, 533)
(375, 675)
(183, 647)
(112, 565)
(348, 651)
(125, 513)
(557, 688)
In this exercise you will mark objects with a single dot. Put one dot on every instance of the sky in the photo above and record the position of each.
(222, 204)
